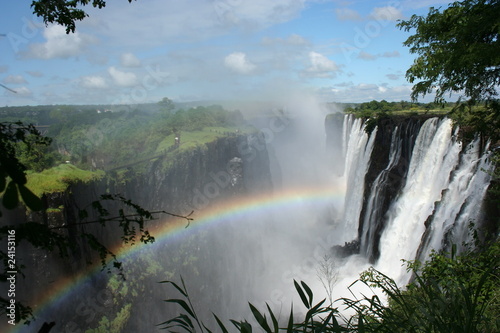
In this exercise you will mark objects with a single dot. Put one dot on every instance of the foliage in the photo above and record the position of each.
(130, 219)
(12, 171)
(64, 12)
(36, 157)
(382, 108)
(327, 273)
(115, 325)
(448, 293)
(57, 179)
(116, 140)
(457, 50)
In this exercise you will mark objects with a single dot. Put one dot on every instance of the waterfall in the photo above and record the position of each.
(374, 206)
(441, 192)
(357, 149)
(460, 201)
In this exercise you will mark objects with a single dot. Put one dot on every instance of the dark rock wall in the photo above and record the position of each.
(230, 166)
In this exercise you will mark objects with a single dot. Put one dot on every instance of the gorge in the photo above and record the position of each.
(268, 207)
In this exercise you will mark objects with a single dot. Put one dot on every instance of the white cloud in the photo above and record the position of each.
(388, 13)
(3, 69)
(293, 40)
(393, 54)
(366, 56)
(35, 73)
(14, 79)
(364, 92)
(393, 76)
(93, 82)
(188, 20)
(129, 60)
(257, 13)
(346, 14)
(238, 62)
(124, 79)
(321, 66)
(59, 44)
(23, 91)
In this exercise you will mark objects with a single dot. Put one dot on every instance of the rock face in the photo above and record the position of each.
(389, 162)
(390, 159)
(230, 166)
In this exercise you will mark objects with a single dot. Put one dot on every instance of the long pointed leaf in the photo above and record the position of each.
(312, 311)
(183, 304)
(260, 318)
(183, 292)
(301, 294)
(221, 325)
(30, 199)
(273, 318)
(289, 328)
(308, 291)
(10, 196)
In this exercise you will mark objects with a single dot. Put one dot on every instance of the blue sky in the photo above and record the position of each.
(337, 51)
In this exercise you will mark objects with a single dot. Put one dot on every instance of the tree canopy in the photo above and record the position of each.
(458, 50)
(64, 12)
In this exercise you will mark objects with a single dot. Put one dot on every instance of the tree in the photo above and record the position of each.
(64, 12)
(12, 171)
(458, 50)
(166, 105)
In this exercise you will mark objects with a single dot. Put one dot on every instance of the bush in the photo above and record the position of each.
(449, 293)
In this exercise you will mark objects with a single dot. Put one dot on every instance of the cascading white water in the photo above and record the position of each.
(461, 201)
(357, 150)
(439, 182)
(374, 205)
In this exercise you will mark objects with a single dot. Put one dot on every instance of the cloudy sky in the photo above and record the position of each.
(339, 50)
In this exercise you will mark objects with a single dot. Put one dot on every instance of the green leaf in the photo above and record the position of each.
(301, 294)
(260, 318)
(246, 327)
(308, 291)
(3, 179)
(10, 197)
(313, 310)
(289, 328)
(273, 318)
(176, 287)
(183, 304)
(221, 325)
(30, 199)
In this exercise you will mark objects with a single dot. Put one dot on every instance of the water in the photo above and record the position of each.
(273, 238)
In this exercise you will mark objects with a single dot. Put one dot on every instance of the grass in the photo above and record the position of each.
(190, 140)
(58, 178)
(414, 110)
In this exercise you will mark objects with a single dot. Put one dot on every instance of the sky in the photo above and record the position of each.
(192, 50)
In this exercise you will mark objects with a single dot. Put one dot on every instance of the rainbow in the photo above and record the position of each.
(255, 206)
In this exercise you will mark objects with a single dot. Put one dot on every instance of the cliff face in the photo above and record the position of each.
(230, 166)
(390, 159)
(389, 162)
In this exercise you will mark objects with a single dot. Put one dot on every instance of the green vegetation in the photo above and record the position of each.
(111, 140)
(115, 325)
(12, 170)
(449, 293)
(64, 13)
(384, 108)
(57, 179)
